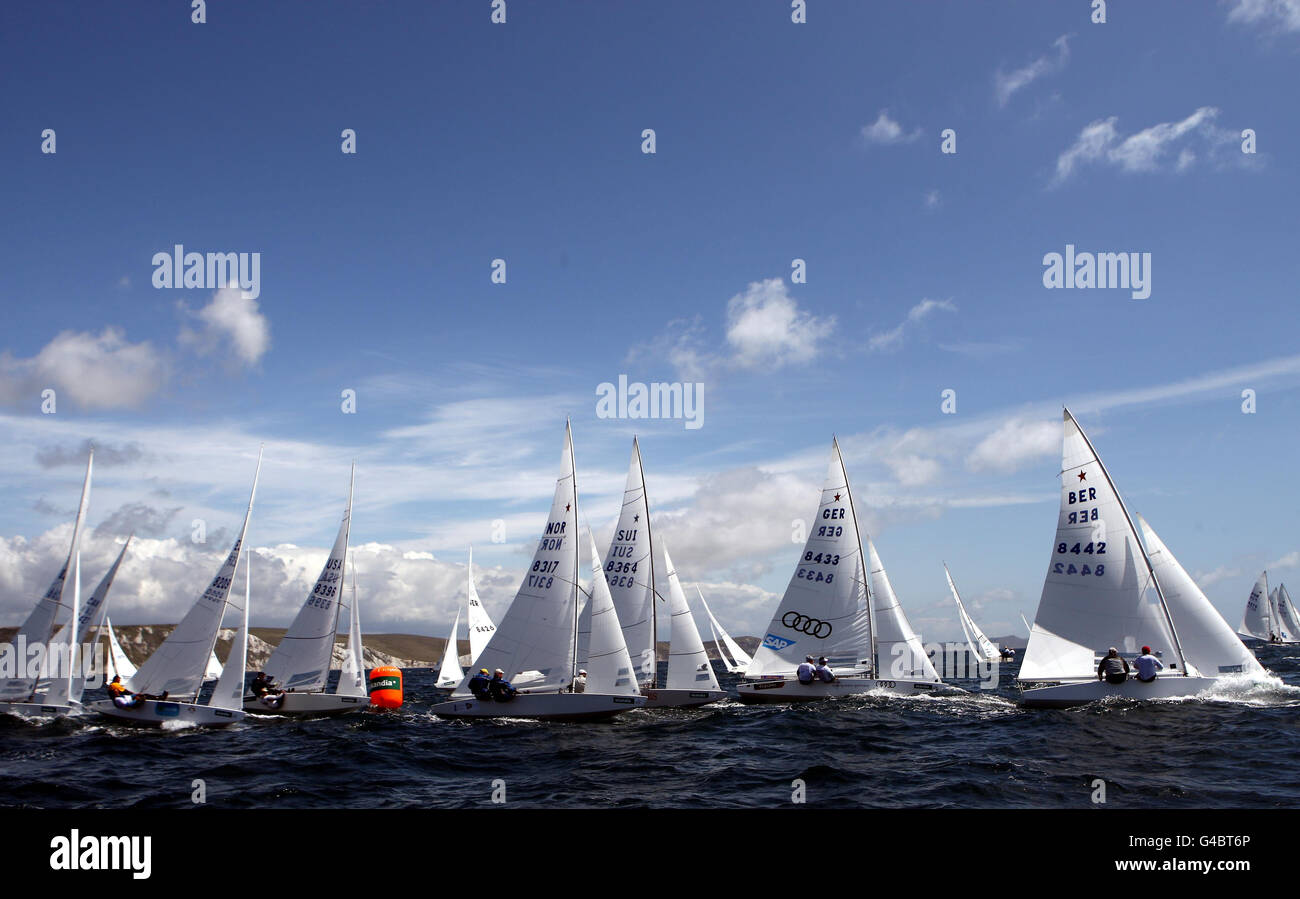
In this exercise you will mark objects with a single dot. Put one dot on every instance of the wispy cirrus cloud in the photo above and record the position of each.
(1274, 16)
(893, 338)
(885, 131)
(1006, 84)
(1149, 150)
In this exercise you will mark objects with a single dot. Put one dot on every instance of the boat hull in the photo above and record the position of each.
(682, 699)
(543, 707)
(309, 704)
(38, 710)
(790, 690)
(1071, 694)
(156, 713)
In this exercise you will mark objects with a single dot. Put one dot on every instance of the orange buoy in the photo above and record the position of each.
(386, 688)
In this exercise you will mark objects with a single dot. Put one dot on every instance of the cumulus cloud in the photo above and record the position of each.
(231, 320)
(893, 338)
(1206, 579)
(1146, 150)
(885, 130)
(1271, 15)
(137, 518)
(767, 329)
(1290, 560)
(1015, 443)
(1005, 84)
(93, 371)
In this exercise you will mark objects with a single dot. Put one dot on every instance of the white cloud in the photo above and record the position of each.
(1272, 15)
(232, 319)
(1290, 560)
(1207, 579)
(1144, 151)
(1014, 443)
(1005, 84)
(766, 328)
(932, 199)
(94, 371)
(894, 336)
(885, 130)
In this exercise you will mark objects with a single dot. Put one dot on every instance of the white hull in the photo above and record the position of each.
(37, 710)
(682, 699)
(155, 713)
(790, 690)
(543, 707)
(1066, 695)
(308, 704)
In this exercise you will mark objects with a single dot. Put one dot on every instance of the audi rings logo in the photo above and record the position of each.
(810, 626)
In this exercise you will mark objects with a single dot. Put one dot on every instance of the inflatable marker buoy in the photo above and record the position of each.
(386, 688)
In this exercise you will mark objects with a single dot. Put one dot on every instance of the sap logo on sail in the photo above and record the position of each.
(77, 853)
(675, 399)
(772, 641)
(1127, 271)
(212, 271)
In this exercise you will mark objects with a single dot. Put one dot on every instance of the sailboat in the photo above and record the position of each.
(1287, 616)
(536, 642)
(116, 663)
(352, 671)
(1257, 620)
(979, 646)
(630, 572)
(177, 666)
(33, 656)
(827, 610)
(449, 672)
(1105, 587)
(300, 664)
(733, 657)
(479, 622)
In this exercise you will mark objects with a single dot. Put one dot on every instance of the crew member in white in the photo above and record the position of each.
(807, 672)
(1147, 665)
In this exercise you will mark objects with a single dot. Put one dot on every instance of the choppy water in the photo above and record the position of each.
(1238, 749)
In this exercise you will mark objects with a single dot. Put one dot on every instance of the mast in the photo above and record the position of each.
(654, 591)
(72, 622)
(343, 574)
(871, 618)
(573, 469)
(1164, 606)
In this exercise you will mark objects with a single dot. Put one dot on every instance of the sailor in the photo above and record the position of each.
(807, 672)
(124, 698)
(478, 685)
(824, 673)
(580, 682)
(261, 685)
(499, 688)
(1147, 665)
(1112, 668)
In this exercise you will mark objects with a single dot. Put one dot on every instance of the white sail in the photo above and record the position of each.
(1099, 591)
(1028, 629)
(584, 626)
(39, 626)
(479, 622)
(214, 669)
(688, 663)
(352, 672)
(229, 691)
(1287, 614)
(449, 672)
(1257, 619)
(898, 648)
(739, 659)
(301, 662)
(980, 646)
(1208, 643)
(821, 612)
(119, 664)
(629, 571)
(538, 631)
(608, 665)
(177, 666)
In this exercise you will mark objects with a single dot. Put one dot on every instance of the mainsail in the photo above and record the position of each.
(537, 633)
(1209, 645)
(1257, 619)
(119, 664)
(177, 665)
(1286, 612)
(93, 613)
(449, 672)
(688, 663)
(1098, 585)
(898, 648)
(739, 659)
(608, 665)
(629, 571)
(302, 660)
(36, 630)
(980, 646)
(479, 622)
(352, 672)
(229, 690)
(821, 612)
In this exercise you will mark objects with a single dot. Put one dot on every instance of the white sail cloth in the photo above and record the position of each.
(479, 622)
(608, 665)
(821, 612)
(898, 648)
(734, 657)
(688, 663)
(980, 646)
(629, 571)
(352, 672)
(1257, 619)
(449, 672)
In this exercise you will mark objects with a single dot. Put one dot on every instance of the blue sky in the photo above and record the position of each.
(522, 141)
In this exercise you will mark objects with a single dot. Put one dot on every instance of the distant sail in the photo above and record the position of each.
(739, 659)
(449, 672)
(479, 622)
(688, 663)
(979, 645)
(1257, 619)
(899, 649)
